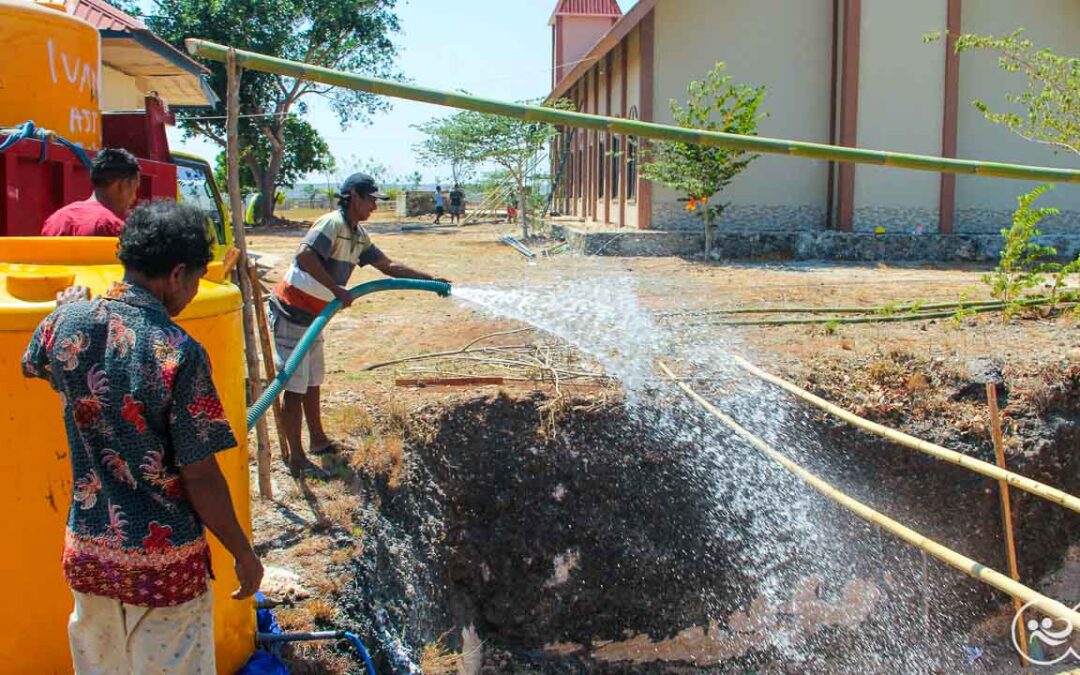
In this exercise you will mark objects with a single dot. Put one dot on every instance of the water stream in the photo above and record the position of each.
(785, 533)
(799, 582)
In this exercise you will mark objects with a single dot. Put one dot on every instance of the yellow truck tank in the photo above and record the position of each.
(50, 71)
(34, 468)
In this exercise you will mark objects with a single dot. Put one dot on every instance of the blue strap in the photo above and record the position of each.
(28, 130)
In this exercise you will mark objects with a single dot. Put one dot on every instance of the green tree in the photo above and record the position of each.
(352, 35)
(308, 152)
(446, 144)
(511, 144)
(414, 179)
(1051, 98)
(698, 171)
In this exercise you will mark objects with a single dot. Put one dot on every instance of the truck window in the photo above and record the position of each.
(194, 187)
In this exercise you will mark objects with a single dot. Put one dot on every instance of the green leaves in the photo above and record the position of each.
(714, 104)
(1022, 262)
(1051, 97)
(276, 146)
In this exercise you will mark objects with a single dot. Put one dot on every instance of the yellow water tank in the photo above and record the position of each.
(50, 71)
(35, 470)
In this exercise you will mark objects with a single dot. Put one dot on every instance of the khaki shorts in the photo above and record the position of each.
(312, 367)
(109, 637)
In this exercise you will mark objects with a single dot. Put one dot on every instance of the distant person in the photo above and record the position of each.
(144, 422)
(457, 204)
(512, 209)
(334, 246)
(440, 204)
(114, 173)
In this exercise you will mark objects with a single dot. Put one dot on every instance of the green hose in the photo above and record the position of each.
(259, 408)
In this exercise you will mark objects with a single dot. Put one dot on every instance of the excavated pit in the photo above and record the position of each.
(595, 539)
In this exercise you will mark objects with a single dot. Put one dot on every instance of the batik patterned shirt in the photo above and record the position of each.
(139, 403)
(299, 297)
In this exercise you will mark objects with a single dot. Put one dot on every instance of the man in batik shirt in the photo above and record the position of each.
(143, 421)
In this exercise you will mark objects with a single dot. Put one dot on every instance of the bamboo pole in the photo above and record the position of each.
(775, 146)
(932, 449)
(893, 318)
(950, 557)
(232, 150)
(267, 351)
(1006, 513)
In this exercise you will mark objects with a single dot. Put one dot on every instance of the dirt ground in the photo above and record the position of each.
(885, 371)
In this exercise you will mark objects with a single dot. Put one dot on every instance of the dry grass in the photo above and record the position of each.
(341, 509)
(325, 585)
(397, 418)
(436, 659)
(342, 556)
(321, 610)
(294, 619)
(352, 420)
(885, 372)
(312, 546)
(382, 456)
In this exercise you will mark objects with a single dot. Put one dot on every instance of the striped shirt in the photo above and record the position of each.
(299, 297)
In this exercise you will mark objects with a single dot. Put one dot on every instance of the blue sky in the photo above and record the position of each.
(493, 48)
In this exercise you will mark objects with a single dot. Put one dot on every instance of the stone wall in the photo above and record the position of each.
(412, 203)
(807, 245)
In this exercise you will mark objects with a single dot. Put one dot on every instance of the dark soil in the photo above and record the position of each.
(647, 529)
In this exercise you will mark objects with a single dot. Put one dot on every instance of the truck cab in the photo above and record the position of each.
(195, 185)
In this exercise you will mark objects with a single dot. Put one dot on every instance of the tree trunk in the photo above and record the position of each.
(266, 205)
(522, 210)
(708, 234)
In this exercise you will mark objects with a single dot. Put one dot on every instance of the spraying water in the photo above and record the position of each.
(783, 535)
(714, 553)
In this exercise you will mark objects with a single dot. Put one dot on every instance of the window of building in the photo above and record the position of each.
(601, 162)
(631, 158)
(616, 158)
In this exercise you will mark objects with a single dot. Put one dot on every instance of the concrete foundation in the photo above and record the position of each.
(805, 245)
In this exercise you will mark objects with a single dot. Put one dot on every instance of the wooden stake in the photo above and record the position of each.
(1006, 512)
(268, 359)
(232, 150)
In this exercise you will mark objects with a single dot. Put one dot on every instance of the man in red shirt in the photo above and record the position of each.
(114, 173)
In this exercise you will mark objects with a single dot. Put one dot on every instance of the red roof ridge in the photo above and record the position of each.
(586, 8)
(103, 16)
(603, 45)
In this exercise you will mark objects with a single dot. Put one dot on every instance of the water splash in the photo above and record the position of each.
(783, 532)
(602, 318)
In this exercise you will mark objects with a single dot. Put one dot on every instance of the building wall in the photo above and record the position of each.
(986, 204)
(787, 47)
(120, 91)
(901, 108)
(580, 33)
(633, 106)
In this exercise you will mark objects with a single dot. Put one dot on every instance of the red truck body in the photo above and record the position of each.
(31, 190)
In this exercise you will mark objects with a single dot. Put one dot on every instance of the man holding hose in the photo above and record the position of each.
(334, 246)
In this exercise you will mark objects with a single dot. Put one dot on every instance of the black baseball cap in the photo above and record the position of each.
(363, 184)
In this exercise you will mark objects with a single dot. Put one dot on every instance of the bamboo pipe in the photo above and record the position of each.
(1006, 512)
(934, 450)
(876, 309)
(892, 318)
(950, 557)
(534, 113)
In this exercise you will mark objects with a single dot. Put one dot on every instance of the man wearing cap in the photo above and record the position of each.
(334, 246)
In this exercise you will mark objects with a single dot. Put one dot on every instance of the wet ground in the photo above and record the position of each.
(588, 536)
